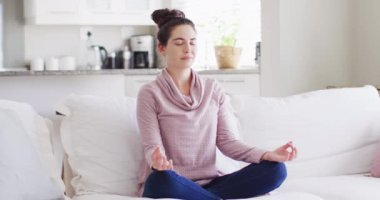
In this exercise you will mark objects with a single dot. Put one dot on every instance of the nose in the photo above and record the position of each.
(187, 48)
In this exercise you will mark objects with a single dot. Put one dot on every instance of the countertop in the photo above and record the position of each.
(127, 72)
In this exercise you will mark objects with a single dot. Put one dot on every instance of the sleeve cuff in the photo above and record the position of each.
(257, 154)
(148, 157)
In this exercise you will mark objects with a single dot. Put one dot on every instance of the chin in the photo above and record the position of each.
(183, 64)
(188, 64)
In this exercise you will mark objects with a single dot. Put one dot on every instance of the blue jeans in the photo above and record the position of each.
(250, 181)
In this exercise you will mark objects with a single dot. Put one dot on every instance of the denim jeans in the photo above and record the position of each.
(250, 181)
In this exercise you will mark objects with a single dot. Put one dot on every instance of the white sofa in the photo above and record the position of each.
(336, 131)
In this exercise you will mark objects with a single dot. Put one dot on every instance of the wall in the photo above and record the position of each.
(25, 42)
(46, 41)
(13, 30)
(306, 45)
(366, 42)
(270, 48)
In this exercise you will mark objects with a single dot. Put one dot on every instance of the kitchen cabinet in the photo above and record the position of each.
(247, 84)
(237, 84)
(90, 12)
(135, 82)
(50, 12)
(194, 10)
(118, 12)
(46, 92)
(45, 89)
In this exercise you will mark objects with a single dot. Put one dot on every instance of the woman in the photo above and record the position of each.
(183, 119)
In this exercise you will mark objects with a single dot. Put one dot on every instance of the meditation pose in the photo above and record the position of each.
(183, 118)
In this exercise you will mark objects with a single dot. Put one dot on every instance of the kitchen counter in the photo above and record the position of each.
(18, 72)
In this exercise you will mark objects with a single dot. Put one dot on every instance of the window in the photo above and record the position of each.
(241, 17)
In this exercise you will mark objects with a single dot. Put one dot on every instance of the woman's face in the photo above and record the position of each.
(181, 49)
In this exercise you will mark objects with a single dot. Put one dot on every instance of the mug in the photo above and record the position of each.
(52, 63)
(67, 63)
(37, 64)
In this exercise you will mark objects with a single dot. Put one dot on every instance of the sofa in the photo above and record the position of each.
(337, 132)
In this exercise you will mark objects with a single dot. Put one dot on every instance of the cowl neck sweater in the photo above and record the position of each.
(188, 129)
(171, 91)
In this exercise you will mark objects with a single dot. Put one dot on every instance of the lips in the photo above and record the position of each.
(187, 57)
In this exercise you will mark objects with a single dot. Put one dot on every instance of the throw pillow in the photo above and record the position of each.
(22, 173)
(36, 128)
(101, 138)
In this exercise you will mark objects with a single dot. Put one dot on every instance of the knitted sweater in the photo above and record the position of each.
(188, 129)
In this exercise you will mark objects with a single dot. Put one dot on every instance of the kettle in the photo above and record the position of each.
(97, 57)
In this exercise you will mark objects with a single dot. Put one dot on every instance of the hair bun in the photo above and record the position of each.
(162, 16)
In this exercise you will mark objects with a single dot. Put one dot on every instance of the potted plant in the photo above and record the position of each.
(226, 52)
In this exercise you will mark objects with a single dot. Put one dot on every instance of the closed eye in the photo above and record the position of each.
(178, 43)
(181, 41)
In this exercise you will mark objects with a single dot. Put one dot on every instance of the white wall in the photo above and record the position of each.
(21, 42)
(270, 48)
(366, 42)
(46, 41)
(306, 45)
(13, 33)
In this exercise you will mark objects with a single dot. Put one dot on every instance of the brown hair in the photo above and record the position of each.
(166, 20)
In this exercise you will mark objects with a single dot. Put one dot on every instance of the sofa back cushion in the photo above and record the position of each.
(101, 139)
(103, 145)
(335, 130)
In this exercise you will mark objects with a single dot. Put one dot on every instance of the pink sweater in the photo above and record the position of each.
(188, 128)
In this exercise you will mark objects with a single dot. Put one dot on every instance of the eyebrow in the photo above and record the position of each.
(175, 39)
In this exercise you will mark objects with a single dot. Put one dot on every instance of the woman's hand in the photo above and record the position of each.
(286, 152)
(160, 162)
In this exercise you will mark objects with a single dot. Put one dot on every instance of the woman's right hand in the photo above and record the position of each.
(160, 162)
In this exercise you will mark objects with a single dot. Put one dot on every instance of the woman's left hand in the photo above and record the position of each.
(286, 152)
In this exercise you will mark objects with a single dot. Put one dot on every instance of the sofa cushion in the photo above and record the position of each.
(335, 130)
(23, 173)
(274, 196)
(350, 187)
(101, 139)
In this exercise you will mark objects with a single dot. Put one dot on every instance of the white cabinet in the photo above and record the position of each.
(90, 12)
(133, 83)
(137, 12)
(50, 12)
(45, 93)
(238, 83)
(232, 83)
(197, 11)
(118, 12)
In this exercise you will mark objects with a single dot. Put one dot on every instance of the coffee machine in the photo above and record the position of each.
(142, 47)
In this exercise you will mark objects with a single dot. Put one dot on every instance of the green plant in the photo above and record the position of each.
(225, 33)
(227, 40)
